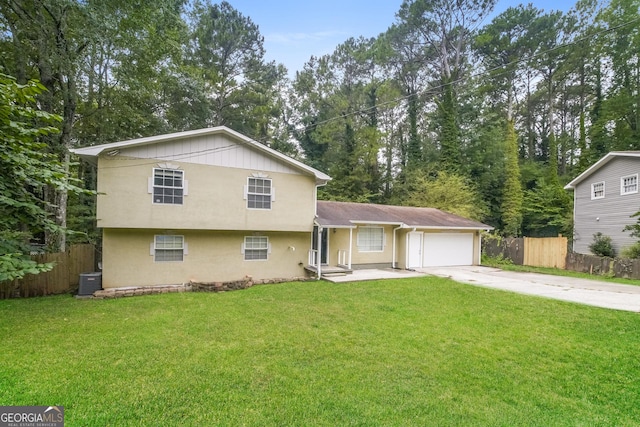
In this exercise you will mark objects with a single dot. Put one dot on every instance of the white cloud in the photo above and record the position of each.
(298, 38)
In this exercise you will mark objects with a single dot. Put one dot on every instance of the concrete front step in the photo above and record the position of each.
(337, 274)
(330, 271)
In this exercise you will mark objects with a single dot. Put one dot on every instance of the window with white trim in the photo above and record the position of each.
(256, 248)
(168, 186)
(166, 248)
(370, 239)
(597, 190)
(259, 193)
(629, 184)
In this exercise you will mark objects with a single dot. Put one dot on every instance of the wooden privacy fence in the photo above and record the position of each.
(553, 252)
(532, 251)
(545, 252)
(64, 276)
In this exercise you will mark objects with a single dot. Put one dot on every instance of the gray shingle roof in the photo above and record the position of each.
(347, 214)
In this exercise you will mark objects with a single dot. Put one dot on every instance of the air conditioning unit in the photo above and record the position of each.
(89, 283)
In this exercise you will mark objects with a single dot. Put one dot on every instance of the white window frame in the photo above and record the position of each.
(364, 239)
(593, 190)
(153, 186)
(178, 245)
(256, 245)
(623, 187)
(248, 194)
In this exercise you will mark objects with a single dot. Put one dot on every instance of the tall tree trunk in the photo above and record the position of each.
(449, 135)
(553, 143)
(414, 149)
(531, 138)
(512, 198)
(19, 55)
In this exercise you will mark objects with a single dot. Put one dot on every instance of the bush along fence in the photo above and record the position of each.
(63, 278)
(553, 252)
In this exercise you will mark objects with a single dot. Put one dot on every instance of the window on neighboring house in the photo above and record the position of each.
(168, 186)
(168, 248)
(629, 184)
(259, 193)
(370, 239)
(597, 190)
(255, 248)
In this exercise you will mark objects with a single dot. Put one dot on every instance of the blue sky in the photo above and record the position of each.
(296, 29)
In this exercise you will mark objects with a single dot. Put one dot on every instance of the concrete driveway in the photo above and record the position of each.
(583, 291)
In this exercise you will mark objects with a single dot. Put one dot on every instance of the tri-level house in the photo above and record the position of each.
(605, 196)
(212, 205)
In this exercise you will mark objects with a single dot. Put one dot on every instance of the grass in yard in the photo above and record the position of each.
(420, 351)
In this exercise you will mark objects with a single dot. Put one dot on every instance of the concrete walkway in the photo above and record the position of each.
(583, 291)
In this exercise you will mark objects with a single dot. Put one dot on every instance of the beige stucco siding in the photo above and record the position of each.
(476, 248)
(339, 240)
(401, 244)
(375, 257)
(211, 257)
(214, 201)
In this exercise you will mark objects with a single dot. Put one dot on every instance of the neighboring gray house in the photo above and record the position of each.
(605, 196)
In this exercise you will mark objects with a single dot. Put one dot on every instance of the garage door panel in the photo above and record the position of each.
(447, 249)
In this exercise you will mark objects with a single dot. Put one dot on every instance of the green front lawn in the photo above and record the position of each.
(422, 351)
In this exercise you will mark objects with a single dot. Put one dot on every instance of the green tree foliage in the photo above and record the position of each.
(226, 62)
(444, 32)
(46, 48)
(634, 228)
(501, 45)
(447, 191)
(631, 252)
(383, 116)
(485, 166)
(102, 65)
(512, 197)
(404, 57)
(450, 151)
(26, 169)
(338, 97)
(547, 210)
(131, 82)
(622, 106)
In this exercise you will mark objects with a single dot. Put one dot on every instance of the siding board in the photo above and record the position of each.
(609, 215)
(212, 150)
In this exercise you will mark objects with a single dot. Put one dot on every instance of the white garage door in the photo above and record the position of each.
(444, 249)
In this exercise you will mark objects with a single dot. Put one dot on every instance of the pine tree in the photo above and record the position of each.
(512, 193)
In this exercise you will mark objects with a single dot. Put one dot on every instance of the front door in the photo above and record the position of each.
(414, 250)
(324, 243)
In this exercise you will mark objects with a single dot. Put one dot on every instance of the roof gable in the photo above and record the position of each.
(347, 214)
(201, 146)
(599, 164)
